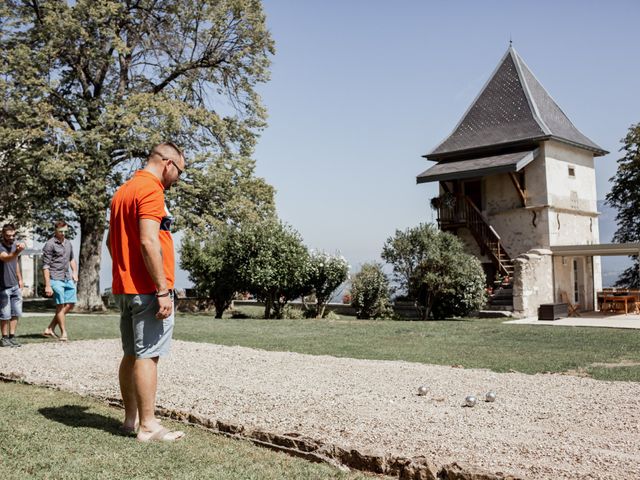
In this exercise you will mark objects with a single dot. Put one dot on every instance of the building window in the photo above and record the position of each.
(572, 171)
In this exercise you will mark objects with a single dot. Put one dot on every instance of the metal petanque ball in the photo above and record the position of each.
(422, 390)
(470, 401)
(490, 396)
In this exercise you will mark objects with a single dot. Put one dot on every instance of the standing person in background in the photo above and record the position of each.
(10, 285)
(141, 247)
(57, 257)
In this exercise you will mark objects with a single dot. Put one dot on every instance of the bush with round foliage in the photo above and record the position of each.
(370, 292)
(325, 274)
(447, 282)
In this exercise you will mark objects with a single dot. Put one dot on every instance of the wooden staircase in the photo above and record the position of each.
(458, 212)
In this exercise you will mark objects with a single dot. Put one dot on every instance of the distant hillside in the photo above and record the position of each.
(611, 266)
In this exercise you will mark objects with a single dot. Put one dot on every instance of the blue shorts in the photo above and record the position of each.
(10, 303)
(143, 335)
(64, 291)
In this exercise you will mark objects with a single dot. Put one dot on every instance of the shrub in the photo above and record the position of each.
(467, 292)
(325, 274)
(331, 315)
(292, 313)
(370, 292)
(447, 281)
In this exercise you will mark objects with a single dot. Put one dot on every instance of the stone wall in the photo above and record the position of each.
(532, 282)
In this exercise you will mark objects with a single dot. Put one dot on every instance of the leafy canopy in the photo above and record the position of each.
(625, 198)
(88, 86)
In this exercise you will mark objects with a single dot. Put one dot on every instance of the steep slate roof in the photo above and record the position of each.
(513, 108)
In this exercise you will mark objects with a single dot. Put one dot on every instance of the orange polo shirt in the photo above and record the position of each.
(142, 196)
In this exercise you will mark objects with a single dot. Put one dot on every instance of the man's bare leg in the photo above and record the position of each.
(62, 318)
(128, 391)
(51, 328)
(13, 324)
(4, 327)
(145, 378)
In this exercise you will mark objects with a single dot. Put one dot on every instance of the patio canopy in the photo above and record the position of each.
(600, 250)
(477, 167)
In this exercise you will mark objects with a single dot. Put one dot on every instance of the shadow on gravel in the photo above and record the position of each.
(77, 416)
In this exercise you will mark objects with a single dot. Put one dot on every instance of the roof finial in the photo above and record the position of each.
(510, 41)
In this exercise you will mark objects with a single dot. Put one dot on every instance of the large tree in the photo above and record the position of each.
(625, 198)
(87, 86)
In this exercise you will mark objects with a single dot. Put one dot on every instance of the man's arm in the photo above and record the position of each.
(19, 275)
(109, 242)
(46, 261)
(8, 257)
(48, 291)
(74, 270)
(152, 256)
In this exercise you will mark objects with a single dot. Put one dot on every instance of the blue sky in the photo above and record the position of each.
(360, 90)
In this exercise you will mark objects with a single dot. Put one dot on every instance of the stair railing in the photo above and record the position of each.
(463, 211)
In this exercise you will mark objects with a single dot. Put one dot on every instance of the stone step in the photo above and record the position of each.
(495, 313)
(503, 302)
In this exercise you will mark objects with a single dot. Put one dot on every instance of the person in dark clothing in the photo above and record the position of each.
(10, 285)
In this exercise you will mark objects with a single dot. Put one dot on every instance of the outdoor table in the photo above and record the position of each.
(613, 298)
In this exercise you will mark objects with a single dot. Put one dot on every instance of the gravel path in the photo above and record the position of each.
(540, 427)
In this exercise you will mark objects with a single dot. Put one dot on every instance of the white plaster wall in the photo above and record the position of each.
(558, 158)
(499, 194)
(566, 228)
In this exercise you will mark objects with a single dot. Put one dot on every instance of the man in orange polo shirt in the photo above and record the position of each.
(141, 249)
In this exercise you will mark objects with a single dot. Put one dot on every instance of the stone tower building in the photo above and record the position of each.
(516, 179)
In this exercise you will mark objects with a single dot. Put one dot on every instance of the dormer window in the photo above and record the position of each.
(572, 171)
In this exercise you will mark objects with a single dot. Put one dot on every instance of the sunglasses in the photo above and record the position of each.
(166, 159)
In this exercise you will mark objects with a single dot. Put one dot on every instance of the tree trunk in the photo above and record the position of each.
(321, 303)
(267, 306)
(91, 234)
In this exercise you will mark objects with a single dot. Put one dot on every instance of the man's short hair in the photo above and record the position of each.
(60, 224)
(167, 144)
(8, 227)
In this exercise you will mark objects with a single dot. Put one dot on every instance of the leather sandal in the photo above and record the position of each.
(160, 435)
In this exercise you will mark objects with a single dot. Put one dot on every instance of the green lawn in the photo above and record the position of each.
(474, 343)
(56, 435)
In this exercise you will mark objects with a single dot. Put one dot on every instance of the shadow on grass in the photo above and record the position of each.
(77, 416)
(33, 335)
